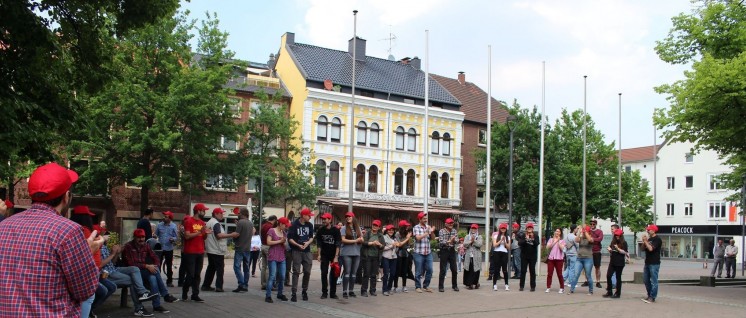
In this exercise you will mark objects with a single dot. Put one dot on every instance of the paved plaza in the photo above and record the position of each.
(673, 301)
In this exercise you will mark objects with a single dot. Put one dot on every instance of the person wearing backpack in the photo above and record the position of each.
(571, 254)
(373, 244)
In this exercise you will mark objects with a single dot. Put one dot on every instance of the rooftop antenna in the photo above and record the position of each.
(391, 39)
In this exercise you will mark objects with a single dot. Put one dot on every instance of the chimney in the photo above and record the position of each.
(415, 62)
(359, 47)
(271, 61)
(404, 61)
(289, 38)
(462, 78)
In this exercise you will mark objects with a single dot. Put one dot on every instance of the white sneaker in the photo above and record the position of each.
(548, 290)
(562, 291)
(494, 287)
(404, 289)
(507, 288)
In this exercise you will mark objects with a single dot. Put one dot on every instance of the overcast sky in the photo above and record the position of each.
(610, 41)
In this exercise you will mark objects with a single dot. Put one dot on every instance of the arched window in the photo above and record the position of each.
(336, 130)
(434, 143)
(446, 144)
(362, 130)
(374, 131)
(398, 181)
(334, 175)
(373, 179)
(360, 178)
(410, 182)
(321, 128)
(412, 140)
(434, 185)
(444, 186)
(400, 138)
(321, 173)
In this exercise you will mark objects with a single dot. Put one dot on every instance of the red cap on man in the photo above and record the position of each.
(326, 216)
(169, 215)
(83, 209)
(376, 223)
(199, 207)
(50, 181)
(474, 226)
(139, 233)
(421, 215)
(306, 212)
(449, 221)
(218, 211)
(652, 227)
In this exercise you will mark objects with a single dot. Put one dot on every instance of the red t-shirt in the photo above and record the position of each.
(96, 254)
(265, 229)
(195, 245)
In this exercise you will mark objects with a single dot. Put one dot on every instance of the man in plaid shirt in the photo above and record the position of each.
(447, 239)
(138, 253)
(422, 256)
(53, 248)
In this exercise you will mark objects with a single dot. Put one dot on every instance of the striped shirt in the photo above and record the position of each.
(47, 268)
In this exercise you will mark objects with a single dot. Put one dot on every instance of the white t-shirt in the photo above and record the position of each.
(499, 247)
(256, 242)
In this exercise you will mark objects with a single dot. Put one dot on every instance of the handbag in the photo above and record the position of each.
(545, 258)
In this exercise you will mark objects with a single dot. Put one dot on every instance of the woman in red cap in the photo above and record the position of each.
(617, 259)
(473, 261)
(276, 258)
(352, 238)
(501, 245)
(403, 257)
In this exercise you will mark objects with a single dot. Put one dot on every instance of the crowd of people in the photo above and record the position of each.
(75, 270)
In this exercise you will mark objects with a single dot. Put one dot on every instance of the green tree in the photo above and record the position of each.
(707, 106)
(636, 203)
(159, 123)
(270, 153)
(50, 52)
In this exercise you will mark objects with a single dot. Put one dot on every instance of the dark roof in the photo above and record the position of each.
(473, 100)
(638, 154)
(374, 74)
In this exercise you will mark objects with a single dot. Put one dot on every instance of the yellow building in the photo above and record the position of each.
(388, 169)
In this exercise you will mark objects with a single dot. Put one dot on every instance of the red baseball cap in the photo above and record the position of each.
(474, 226)
(284, 220)
(50, 181)
(421, 215)
(652, 227)
(83, 209)
(530, 225)
(403, 223)
(449, 221)
(139, 233)
(376, 223)
(200, 207)
(326, 216)
(587, 228)
(350, 214)
(306, 211)
(99, 229)
(504, 226)
(516, 226)
(9, 204)
(169, 214)
(389, 227)
(236, 210)
(618, 232)
(218, 210)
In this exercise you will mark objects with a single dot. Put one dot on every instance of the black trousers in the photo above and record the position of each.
(500, 259)
(328, 280)
(492, 264)
(192, 272)
(471, 275)
(614, 270)
(530, 265)
(215, 269)
(167, 260)
(370, 273)
(448, 257)
(254, 259)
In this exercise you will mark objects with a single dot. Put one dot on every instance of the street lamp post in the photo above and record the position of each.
(511, 126)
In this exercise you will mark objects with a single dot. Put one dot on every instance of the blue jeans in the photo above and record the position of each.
(241, 268)
(349, 270)
(650, 278)
(276, 271)
(389, 273)
(104, 290)
(156, 285)
(85, 306)
(516, 253)
(569, 272)
(580, 264)
(423, 263)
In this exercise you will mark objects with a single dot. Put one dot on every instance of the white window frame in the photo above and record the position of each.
(322, 126)
(717, 210)
(219, 184)
(362, 133)
(671, 183)
(435, 143)
(670, 209)
(687, 184)
(482, 192)
(688, 157)
(400, 138)
(335, 127)
(252, 189)
(714, 185)
(481, 176)
(223, 148)
(446, 147)
(234, 106)
(412, 139)
(480, 142)
(375, 133)
(688, 209)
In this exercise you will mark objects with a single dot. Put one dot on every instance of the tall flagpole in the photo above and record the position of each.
(585, 100)
(619, 199)
(426, 133)
(541, 156)
(351, 167)
(655, 174)
(488, 194)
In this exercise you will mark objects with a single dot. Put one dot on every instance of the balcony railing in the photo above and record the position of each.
(380, 197)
